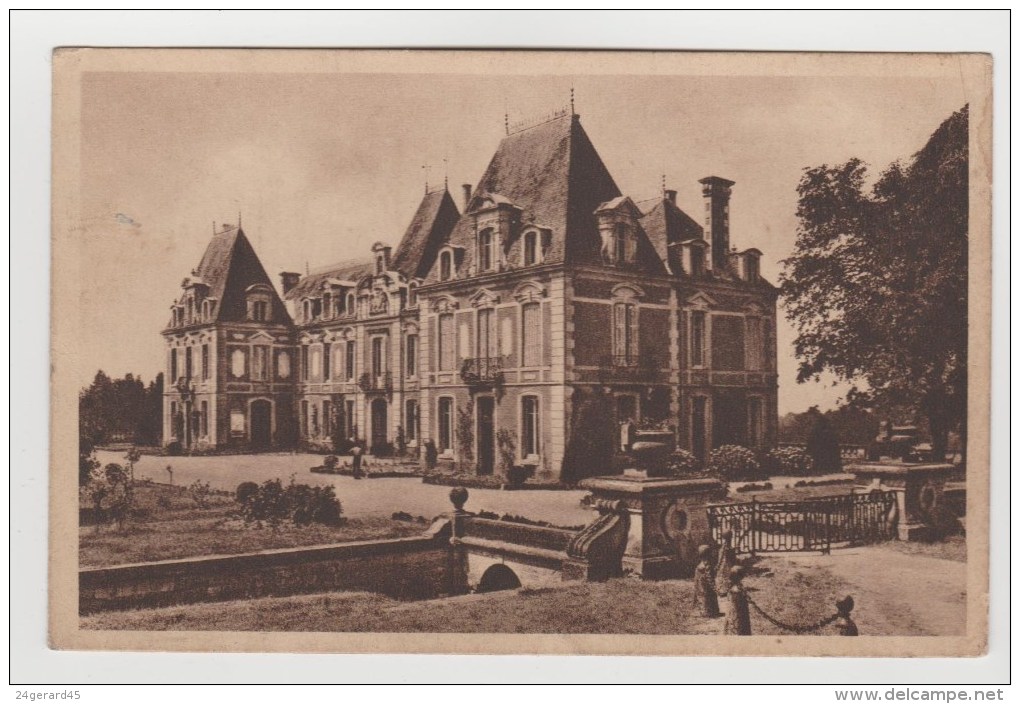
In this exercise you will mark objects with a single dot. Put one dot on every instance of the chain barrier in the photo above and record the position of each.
(789, 627)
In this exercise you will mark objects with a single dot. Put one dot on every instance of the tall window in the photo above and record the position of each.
(350, 430)
(283, 365)
(260, 363)
(755, 344)
(304, 362)
(698, 338)
(755, 431)
(620, 243)
(315, 420)
(205, 361)
(531, 334)
(327, 305)
(350, 358)
(411, 367)
(445, 422)
(173, 366)
(378, 357)
(316, 367)
(238, 363)
(203, 420)
(303, 420)
(338, 364)
(625, 333)
(485, 247)
(327, 367)
(327, 419)
(411, 419)
(529, 426)
(752, 267)
(187, 362)
(697, 261)
(260, 311)
(445, 266)
(486, 334)
(530, 248)
(349, 304)
(412, 295)
(447, 344)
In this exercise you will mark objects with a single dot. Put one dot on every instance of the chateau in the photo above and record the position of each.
(489, 325)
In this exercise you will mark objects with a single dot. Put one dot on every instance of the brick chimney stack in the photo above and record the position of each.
(467, 195)
(289, 280)
(716, 191)
(670, 196)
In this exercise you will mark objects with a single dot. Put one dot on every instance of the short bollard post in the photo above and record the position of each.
(704, 585)
(844, 623)
(738, 616)
(727, 561)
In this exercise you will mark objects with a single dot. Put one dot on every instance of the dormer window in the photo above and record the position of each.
(259, 297)
(260, 311)
(349, 304)
(445, 266)
(620, 243)
(207, 310)
(412, 295)
(751, 265)
(486, 245)
(327, 305)
(380, 265)
(530, 248)
(697, 261)
(306, 310)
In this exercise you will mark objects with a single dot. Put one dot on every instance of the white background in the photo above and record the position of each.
(34, 35)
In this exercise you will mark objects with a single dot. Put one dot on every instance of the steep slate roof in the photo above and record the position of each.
(666, 224)
(347, 270)
(553, 173)
(436, 216)
(228, 267)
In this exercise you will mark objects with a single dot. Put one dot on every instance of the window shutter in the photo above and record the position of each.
(619, 330)
(632, 333)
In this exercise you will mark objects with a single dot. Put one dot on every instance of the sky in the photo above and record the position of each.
(322, 165)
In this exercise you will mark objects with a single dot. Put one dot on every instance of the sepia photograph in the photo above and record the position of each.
(520, 352)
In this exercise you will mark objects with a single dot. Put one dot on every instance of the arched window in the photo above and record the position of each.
(306, 310)
(349, 304)
(485, 247)
(530, 420)
(445, 266)
(530, 248)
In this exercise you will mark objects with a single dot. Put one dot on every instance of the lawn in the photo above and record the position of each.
(168, 523)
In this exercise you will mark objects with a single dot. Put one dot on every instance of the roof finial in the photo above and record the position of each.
(426, 168)
(572, 113)
(307, 270)
(238, 219)
(214, 227)
(446, 174)
(664, 184)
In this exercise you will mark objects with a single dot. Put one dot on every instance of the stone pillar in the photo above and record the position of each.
(918, 487)
(668, 519)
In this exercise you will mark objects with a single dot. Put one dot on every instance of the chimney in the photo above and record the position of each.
(670, 196)
(467, 195)
(289, 280)
(717, 218)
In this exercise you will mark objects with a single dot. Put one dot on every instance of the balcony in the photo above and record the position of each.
(376, 383)
(627, 368)
(482, 371)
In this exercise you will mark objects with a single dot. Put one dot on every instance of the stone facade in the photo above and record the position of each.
(545, 288)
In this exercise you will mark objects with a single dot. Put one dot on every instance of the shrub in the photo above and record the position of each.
(823, 446)
(272, 504)
(789, 461)
(733, 463)
(331, 461)
(200, 493)
(244, 491)
(682, 462)
(506, 444)
(517, 475)
(174, 448)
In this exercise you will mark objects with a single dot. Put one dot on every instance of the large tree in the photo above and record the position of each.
(877, 287)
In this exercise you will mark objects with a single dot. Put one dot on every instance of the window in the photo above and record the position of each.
(350, 359)
(238, 363)
(316, 366)
(205, 361)
(380, 265)
(237, 423)
(260, 311)
(445, 423)
(728, 343)
(752, 267)
(445, 266)
(412, 355)
(697, 261)
(327, 368)
(411, 420)
(447, 350)
(698, 338)
(620, 243)
(529, 426)
(625, 334)
(378, 356)
(327, 305)
(173, 366)
(486, 333)
(316, 308)
(349, 304)
(283, 365)
(531, 334)
(755, 344)
(303, 420)
(315, 420)
(412, 295)
(338, 364)
(260, 363)
(327, 419)
(304, 362)
(755, 431)
(191, 311)
(187, 362)
(530, 248)
(350, 430)
(203, 420)
(306, 310)
(485, 247)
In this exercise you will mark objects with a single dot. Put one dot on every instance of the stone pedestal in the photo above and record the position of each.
(668, 520)
(919, 489)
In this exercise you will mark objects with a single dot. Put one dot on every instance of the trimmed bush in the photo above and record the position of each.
(244, 491)
(681, 462)
(733, 463)
(789, 461)
(272, 503)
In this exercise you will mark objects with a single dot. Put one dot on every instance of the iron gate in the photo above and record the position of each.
(810, 524)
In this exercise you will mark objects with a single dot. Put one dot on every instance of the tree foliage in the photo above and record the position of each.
(877, 287)
(120, 410)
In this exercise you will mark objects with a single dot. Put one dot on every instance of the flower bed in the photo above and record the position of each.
(491, 481)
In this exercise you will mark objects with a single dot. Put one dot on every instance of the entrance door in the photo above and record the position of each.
(261, 424)
(486, 434)
(378, 425)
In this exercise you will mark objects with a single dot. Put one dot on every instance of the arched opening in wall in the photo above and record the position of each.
(498, 578)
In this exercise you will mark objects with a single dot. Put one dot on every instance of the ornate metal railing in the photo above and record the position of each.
(811, 524)
(369, 382)
(620, 367)
(482, 370)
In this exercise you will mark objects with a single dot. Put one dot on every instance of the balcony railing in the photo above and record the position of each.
(632, 368)
(477, 371)
(369, 383)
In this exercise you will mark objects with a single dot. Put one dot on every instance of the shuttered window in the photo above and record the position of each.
(531, 335)
(486, 334)
(698, 338)
(445, 422)
(447, 343)
(625, 333)
(529, 426)
(755, 345)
